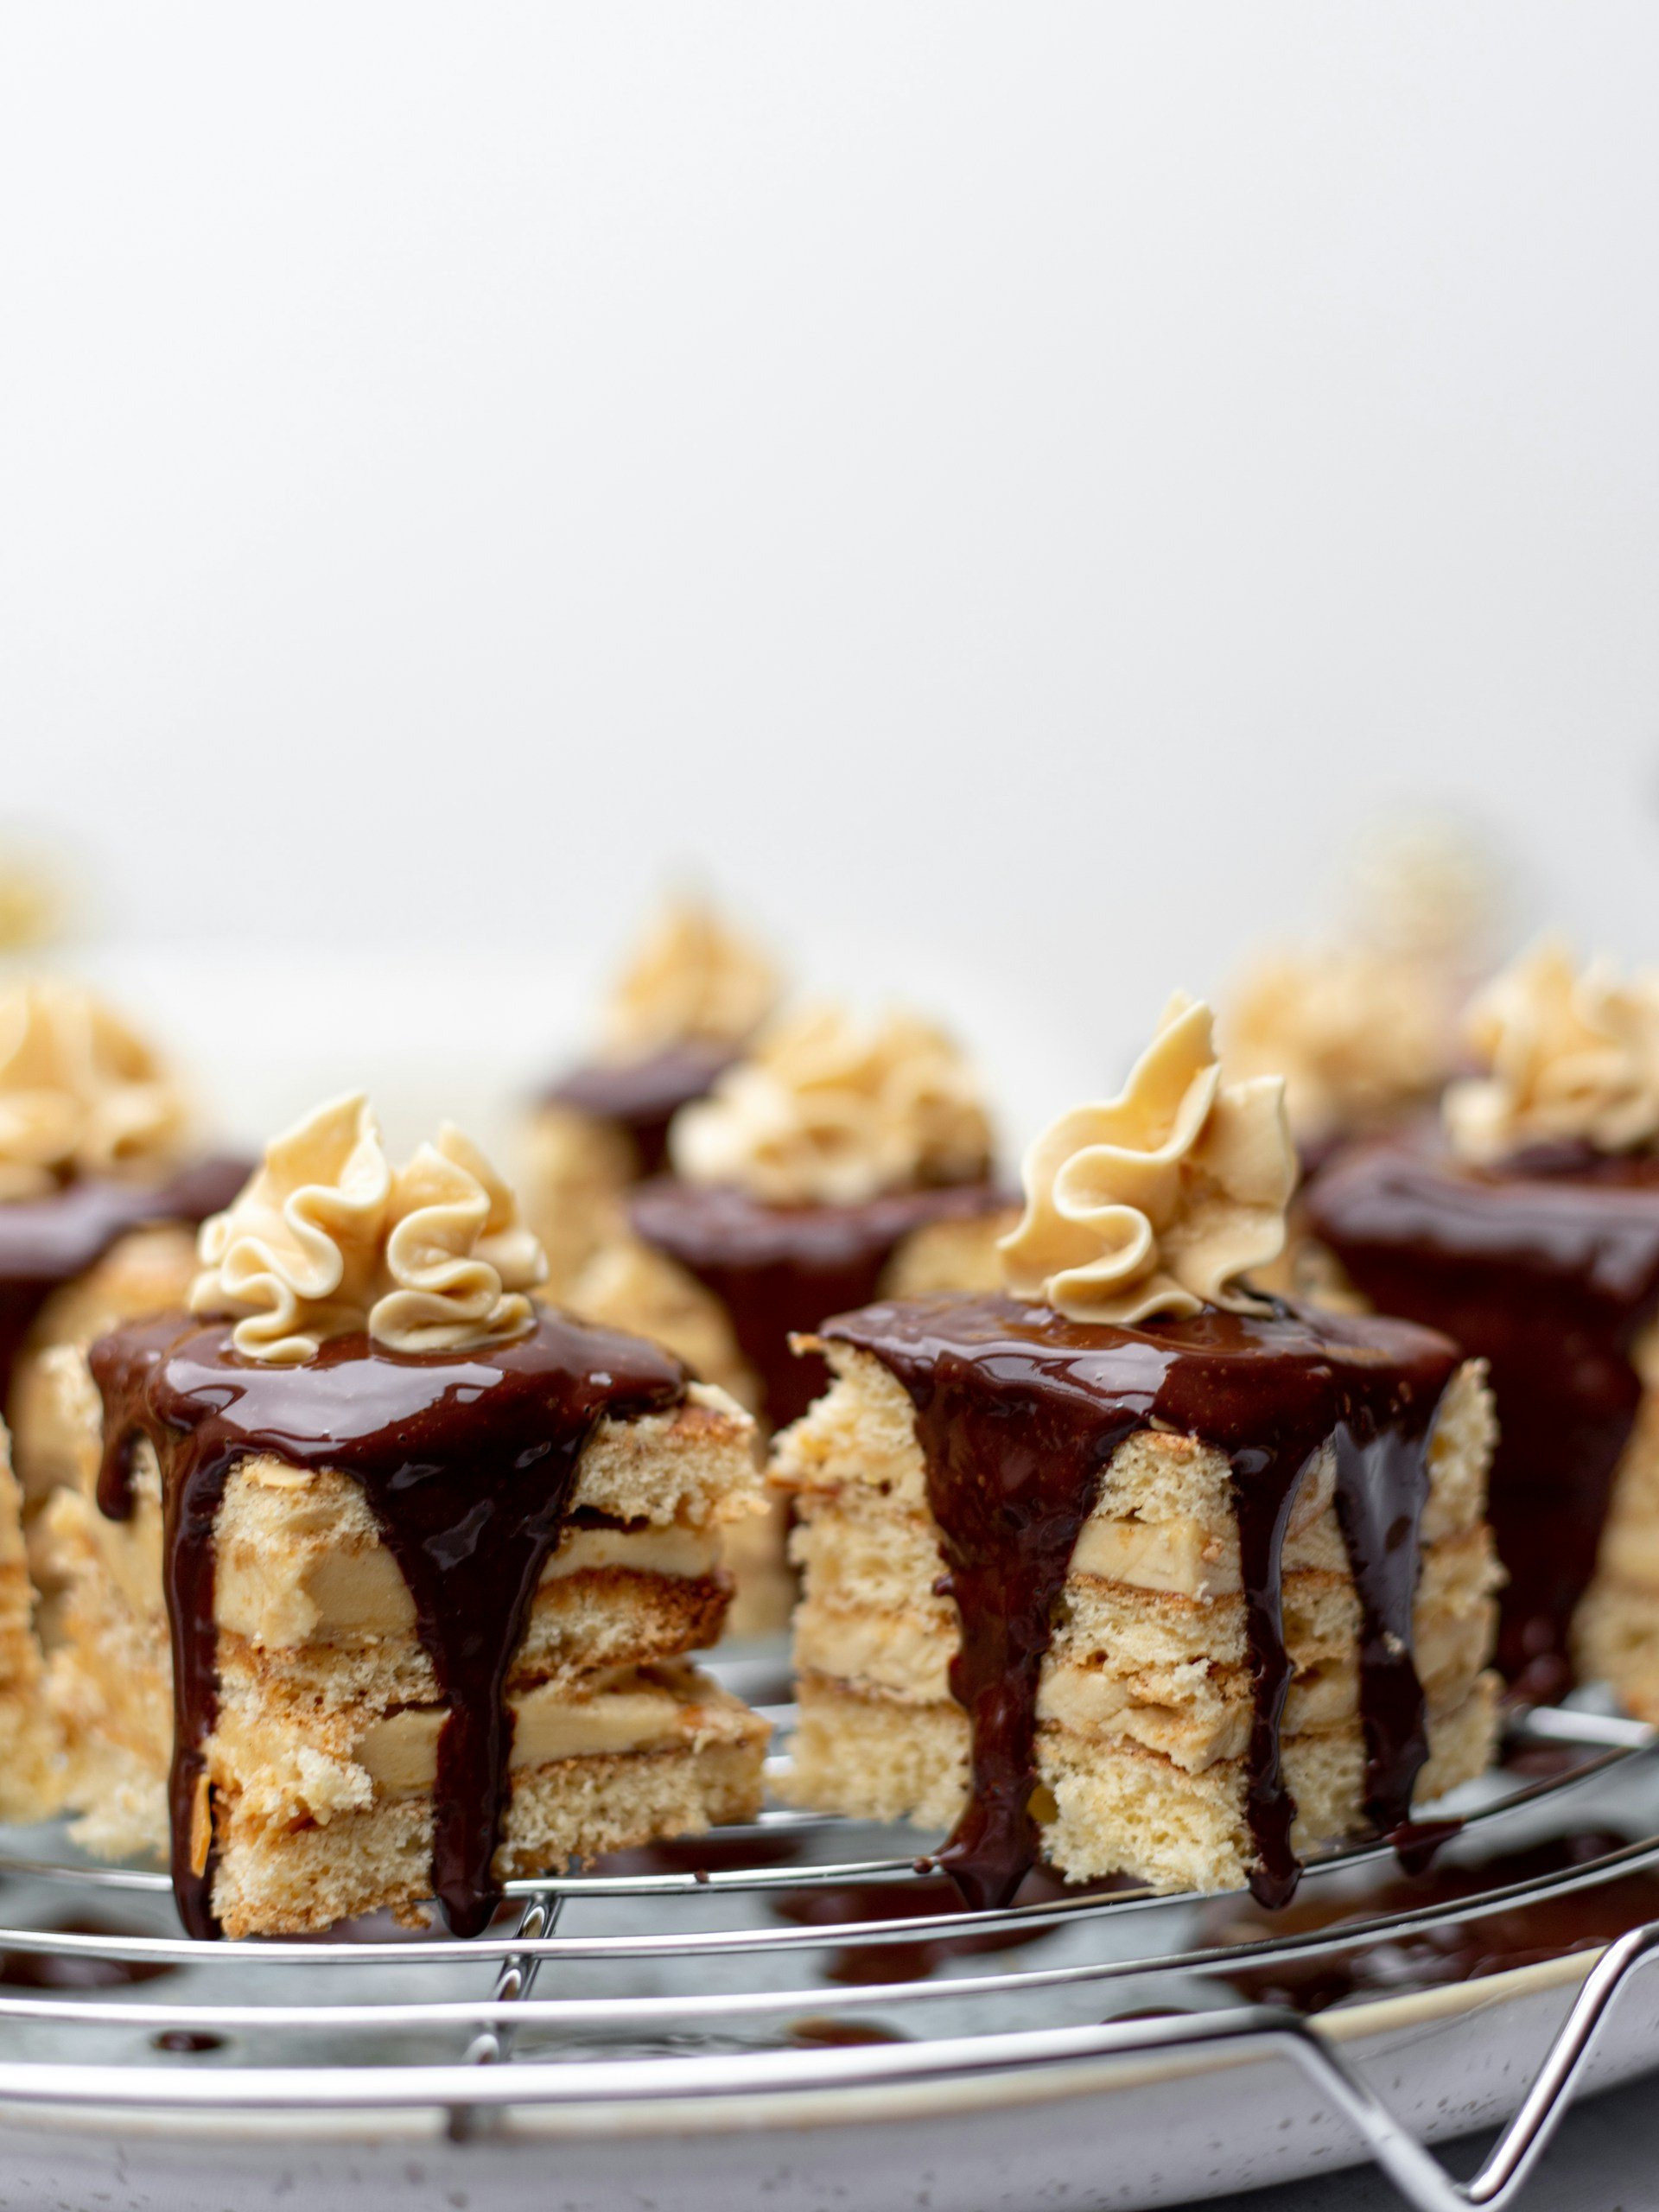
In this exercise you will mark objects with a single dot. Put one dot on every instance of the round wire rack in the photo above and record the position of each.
(801, 1953)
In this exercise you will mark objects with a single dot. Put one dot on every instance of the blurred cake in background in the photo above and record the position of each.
(102, 1180)
(381, 1576)
(37, 900)
(1524, 1221)
(1363, 1026)
(840, 1162)
(1119, 1564)
(690, 998)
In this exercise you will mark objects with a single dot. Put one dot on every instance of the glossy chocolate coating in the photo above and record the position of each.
(642, 1096)
(1017, 1412)
(47, 1242)
(779, 1270)
(467, 1460)
(1548, 1268)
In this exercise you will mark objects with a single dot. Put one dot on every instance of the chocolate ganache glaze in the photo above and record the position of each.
(644, 1096)
(1017, 1412)
(47, 1242)
(467, 1460)
(1548, 1268)
(780, 1269)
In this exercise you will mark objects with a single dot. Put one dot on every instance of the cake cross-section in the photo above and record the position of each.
(363, 1615)
(1122, 1567)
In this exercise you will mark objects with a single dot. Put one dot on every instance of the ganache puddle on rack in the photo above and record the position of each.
(78, 1969)
(1455, 1951)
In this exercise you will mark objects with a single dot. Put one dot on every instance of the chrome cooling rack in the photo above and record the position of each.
(685, 1979)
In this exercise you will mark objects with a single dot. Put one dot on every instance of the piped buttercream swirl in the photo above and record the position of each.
(1569, 1055)
(1363, 1026)
(1358, 1035)
(1156, 1201)
(693, 979)
(831, 1111)
(81, 1093)
(327, 1238)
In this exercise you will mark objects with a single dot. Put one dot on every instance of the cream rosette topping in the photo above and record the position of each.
(693, 979)
(1156, 1202)
(1570, 1055)
(830, 1111)
(81, 1093)
(328, 1238)
(1363, 1027)
(1357, 1035)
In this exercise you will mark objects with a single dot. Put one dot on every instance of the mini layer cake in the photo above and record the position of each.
(1527, 1225)
(31, 1767)
(359, 1615)
(837, 1163)
(690, 1000)
(1103, 1567)
(1363, 1027)
(97, 1206)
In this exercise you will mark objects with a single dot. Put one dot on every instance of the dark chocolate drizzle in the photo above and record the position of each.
(1017, 1412)
(467, 1460)
(47, 1242)
(642, 1096)
(1548, 1268)
(779, 1270)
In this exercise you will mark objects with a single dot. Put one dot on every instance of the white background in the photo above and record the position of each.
(1006, 493)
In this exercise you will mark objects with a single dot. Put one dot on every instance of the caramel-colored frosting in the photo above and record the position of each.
(1363, 1026)
(1569, 1055)
(1156, 1201)
(692, 979)
(831, 1111)
(1358, 1035)
(327, 1238)
(81, 1093)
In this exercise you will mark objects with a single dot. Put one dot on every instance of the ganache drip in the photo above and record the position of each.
(1547, 1268)
(1018, 1414)
(779, 1270)
(642, 1096)
(468, 1462)
(47, 1242)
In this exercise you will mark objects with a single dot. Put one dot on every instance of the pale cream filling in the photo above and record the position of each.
(306, 1596)
(1187, 1557)
(1182, 1557)
(1208, 1724)
(401, 1752)
(363, 1592)
(1162, 1700)
(863, 1561)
